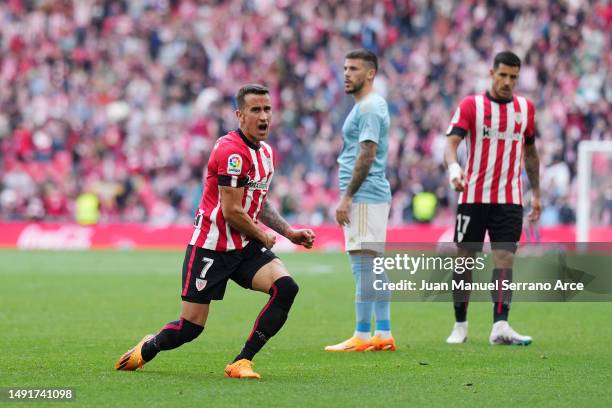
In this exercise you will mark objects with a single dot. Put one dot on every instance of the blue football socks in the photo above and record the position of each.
(370, 302)
(364, 305)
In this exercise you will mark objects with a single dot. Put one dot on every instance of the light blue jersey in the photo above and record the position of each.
(368, 120)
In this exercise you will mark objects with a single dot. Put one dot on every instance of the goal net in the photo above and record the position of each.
(594, 205)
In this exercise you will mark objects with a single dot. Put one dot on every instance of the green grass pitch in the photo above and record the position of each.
(65, 318)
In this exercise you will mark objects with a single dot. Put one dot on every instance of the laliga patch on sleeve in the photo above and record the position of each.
(234, 164)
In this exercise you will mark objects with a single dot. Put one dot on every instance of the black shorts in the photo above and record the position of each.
(206, 272)
(504, 222)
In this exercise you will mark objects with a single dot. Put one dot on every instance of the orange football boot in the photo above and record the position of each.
(383, 344)
(132, 359)
(241, 369)
(352, 344)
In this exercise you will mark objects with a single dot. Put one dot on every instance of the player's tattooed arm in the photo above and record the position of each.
(270, 217)
(532, 167)
(367, 155)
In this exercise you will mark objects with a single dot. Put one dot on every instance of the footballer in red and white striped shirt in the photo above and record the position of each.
(499, 130)
(234, 162)
(496, 131)
(229, 244)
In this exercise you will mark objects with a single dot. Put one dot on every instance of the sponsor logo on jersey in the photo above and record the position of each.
(255, 185)
(234, 164)
(489, 133)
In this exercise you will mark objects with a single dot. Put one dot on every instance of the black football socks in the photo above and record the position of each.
(461, 298)
(501, 298)
(271, 318)
(171, 336)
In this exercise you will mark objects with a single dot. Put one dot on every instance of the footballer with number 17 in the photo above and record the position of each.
(228, 244)
(499, 130)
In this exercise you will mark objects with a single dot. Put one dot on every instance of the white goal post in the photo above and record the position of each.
(586, 149)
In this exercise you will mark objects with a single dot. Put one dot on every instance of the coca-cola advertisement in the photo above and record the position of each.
(58, 236)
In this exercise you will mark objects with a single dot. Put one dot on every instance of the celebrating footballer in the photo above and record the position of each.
(228, 243)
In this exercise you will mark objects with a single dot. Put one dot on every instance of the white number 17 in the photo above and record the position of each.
(462, 227)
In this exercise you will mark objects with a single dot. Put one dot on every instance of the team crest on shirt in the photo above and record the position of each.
(517, 119)
(234, 164)
(200, 284)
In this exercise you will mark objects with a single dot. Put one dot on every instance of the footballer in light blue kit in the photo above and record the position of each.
(363, 211)
(367, 121)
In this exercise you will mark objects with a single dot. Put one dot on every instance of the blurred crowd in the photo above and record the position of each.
(123, 100)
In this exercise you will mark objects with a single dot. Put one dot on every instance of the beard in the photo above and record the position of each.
(357, 86)
(503, 90)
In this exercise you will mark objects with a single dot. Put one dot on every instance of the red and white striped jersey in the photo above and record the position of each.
(495, 132)
(233, 162)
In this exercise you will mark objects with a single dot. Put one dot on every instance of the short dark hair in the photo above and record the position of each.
(507, 58)
(365, 55)
(250, 89)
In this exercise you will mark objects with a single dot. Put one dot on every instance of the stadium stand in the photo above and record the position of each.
(125, 99)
